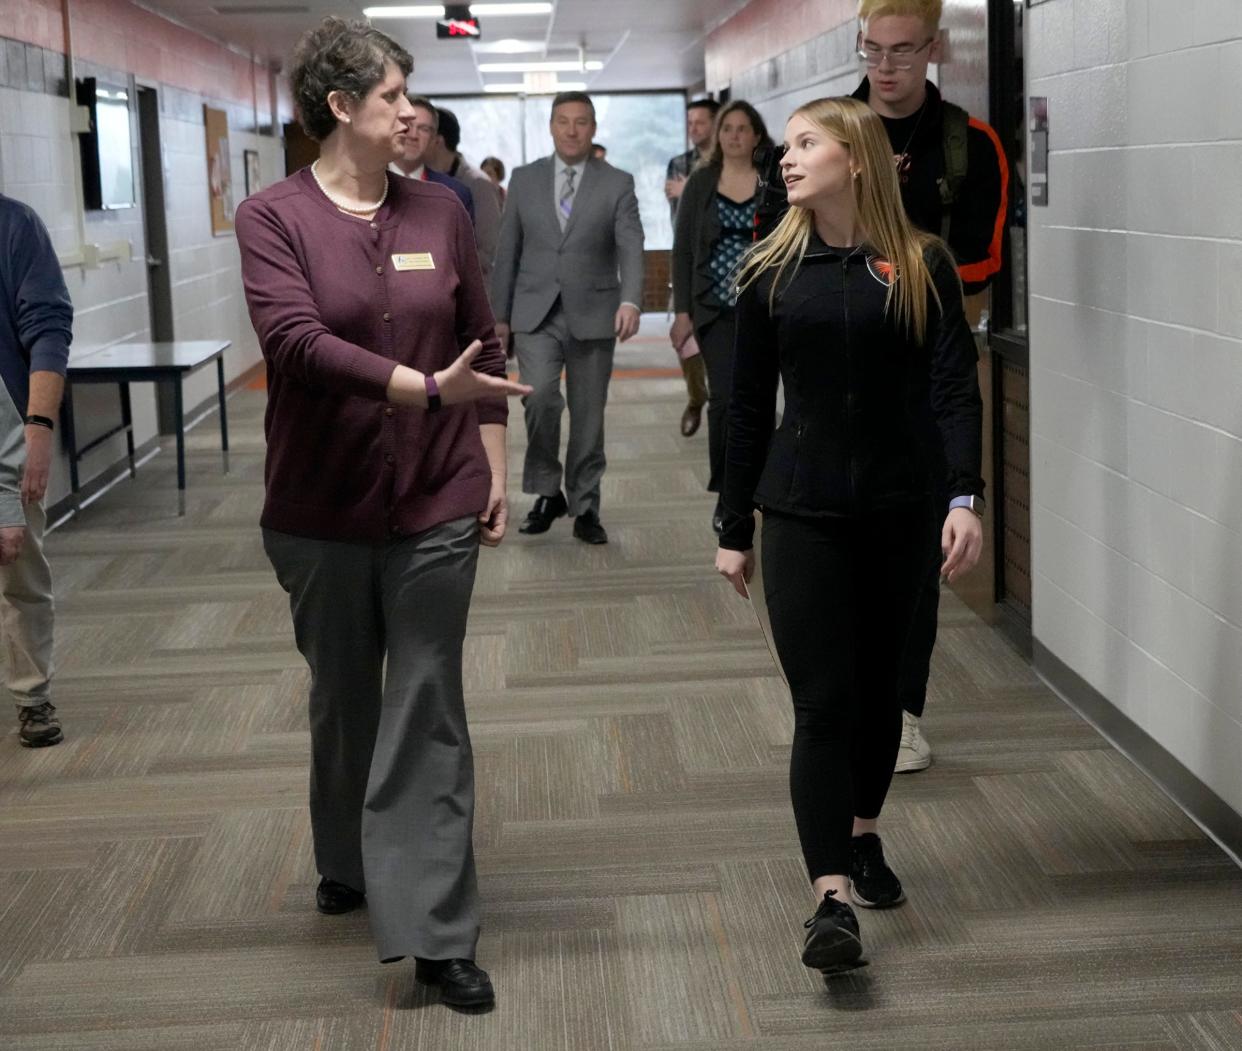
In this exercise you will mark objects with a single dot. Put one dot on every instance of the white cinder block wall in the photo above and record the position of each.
(37, 155)
(1136, 366)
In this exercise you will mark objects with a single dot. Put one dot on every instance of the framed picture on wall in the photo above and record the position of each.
(253, 183)
(219, 169)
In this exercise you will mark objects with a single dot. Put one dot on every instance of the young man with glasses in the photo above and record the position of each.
(954, 183)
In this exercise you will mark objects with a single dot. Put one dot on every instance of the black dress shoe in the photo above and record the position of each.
(588, 529)
(462, 982)
(547, 510)
(334, 898)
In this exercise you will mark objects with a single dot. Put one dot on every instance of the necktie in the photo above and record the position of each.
(567, 197)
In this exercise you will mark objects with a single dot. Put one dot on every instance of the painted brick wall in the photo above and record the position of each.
(765, 29)
(121, 36)
(37, 158)
(1136, 354)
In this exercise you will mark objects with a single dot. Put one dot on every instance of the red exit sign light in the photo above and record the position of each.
(457, 24)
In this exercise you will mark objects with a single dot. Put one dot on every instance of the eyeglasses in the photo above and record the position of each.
(900, 57)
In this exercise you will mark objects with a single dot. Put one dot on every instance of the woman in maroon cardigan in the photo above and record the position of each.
(385, 471)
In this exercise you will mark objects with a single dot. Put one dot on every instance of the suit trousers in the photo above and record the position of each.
(587, 363)
(716, 340)
(27, 615)
(392, 772)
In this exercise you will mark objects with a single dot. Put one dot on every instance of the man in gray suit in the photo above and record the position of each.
(566, 284)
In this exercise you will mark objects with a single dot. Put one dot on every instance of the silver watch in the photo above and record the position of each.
(976, 505)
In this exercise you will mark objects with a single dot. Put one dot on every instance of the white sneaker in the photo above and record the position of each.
(914, 753)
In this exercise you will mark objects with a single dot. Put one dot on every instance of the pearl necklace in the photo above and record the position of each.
(345, 207)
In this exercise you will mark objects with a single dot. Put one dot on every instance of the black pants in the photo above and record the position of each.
(841, 593)
(916, 660)
(716, 342)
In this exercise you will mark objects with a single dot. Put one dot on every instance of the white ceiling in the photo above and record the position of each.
(644, 44)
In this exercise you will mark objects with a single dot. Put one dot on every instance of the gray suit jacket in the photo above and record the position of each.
(594, 266)
(486, 212)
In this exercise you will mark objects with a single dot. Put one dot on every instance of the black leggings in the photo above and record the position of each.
(916, 661)
(841, 593)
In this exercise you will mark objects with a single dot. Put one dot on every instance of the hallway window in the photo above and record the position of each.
(641, 131)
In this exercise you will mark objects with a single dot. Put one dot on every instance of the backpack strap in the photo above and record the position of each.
(956, 125)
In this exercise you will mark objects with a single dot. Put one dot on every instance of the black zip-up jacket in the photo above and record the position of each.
(856, 437)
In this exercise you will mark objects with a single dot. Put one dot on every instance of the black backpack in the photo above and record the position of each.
(956, 127)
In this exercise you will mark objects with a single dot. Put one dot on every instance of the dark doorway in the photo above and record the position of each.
(159, 280)
(1008, 339)
(155, 221)
(300, 148)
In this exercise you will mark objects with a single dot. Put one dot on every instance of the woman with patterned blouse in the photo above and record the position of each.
(715, 227)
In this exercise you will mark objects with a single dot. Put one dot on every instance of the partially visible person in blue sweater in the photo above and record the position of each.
(36, 327)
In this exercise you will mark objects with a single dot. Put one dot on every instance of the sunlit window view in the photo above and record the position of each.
(641, 131)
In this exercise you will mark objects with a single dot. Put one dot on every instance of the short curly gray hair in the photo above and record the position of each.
(339, 56)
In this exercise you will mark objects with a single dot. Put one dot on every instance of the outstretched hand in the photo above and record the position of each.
(460, 382)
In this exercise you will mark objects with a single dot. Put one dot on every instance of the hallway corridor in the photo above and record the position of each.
(641, 878)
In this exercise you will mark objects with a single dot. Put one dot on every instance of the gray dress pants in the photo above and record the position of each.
(392, 772)
(542, 356)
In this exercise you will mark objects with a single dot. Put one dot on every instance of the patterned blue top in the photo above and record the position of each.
(737, 231)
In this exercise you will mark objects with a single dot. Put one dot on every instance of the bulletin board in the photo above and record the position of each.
(219, 175)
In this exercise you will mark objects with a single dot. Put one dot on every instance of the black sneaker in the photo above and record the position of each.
(39, 725)
(832, 942)
(873, 885)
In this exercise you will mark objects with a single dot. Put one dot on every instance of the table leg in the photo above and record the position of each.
(179, 412)
(224, 419)
(71, 443)
(127, 418)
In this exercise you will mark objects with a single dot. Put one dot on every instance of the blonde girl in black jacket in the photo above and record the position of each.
(861, 317)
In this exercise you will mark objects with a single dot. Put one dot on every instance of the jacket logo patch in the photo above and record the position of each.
(882, 270)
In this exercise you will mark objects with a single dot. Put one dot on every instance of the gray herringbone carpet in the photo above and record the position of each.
(639, 868)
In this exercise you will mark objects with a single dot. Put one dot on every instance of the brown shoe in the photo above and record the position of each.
(691, 419)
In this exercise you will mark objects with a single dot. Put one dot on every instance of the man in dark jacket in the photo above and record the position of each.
(36, 327)
(954, 183)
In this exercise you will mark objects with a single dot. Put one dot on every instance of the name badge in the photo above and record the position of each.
(414, 261)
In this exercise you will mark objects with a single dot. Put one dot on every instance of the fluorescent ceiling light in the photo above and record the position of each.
(527, 89)
(437, 10)
(538, 67)
(509, 47)
(495, 10)
(417, 11)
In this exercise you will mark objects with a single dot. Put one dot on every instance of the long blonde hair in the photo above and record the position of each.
(877, 198)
